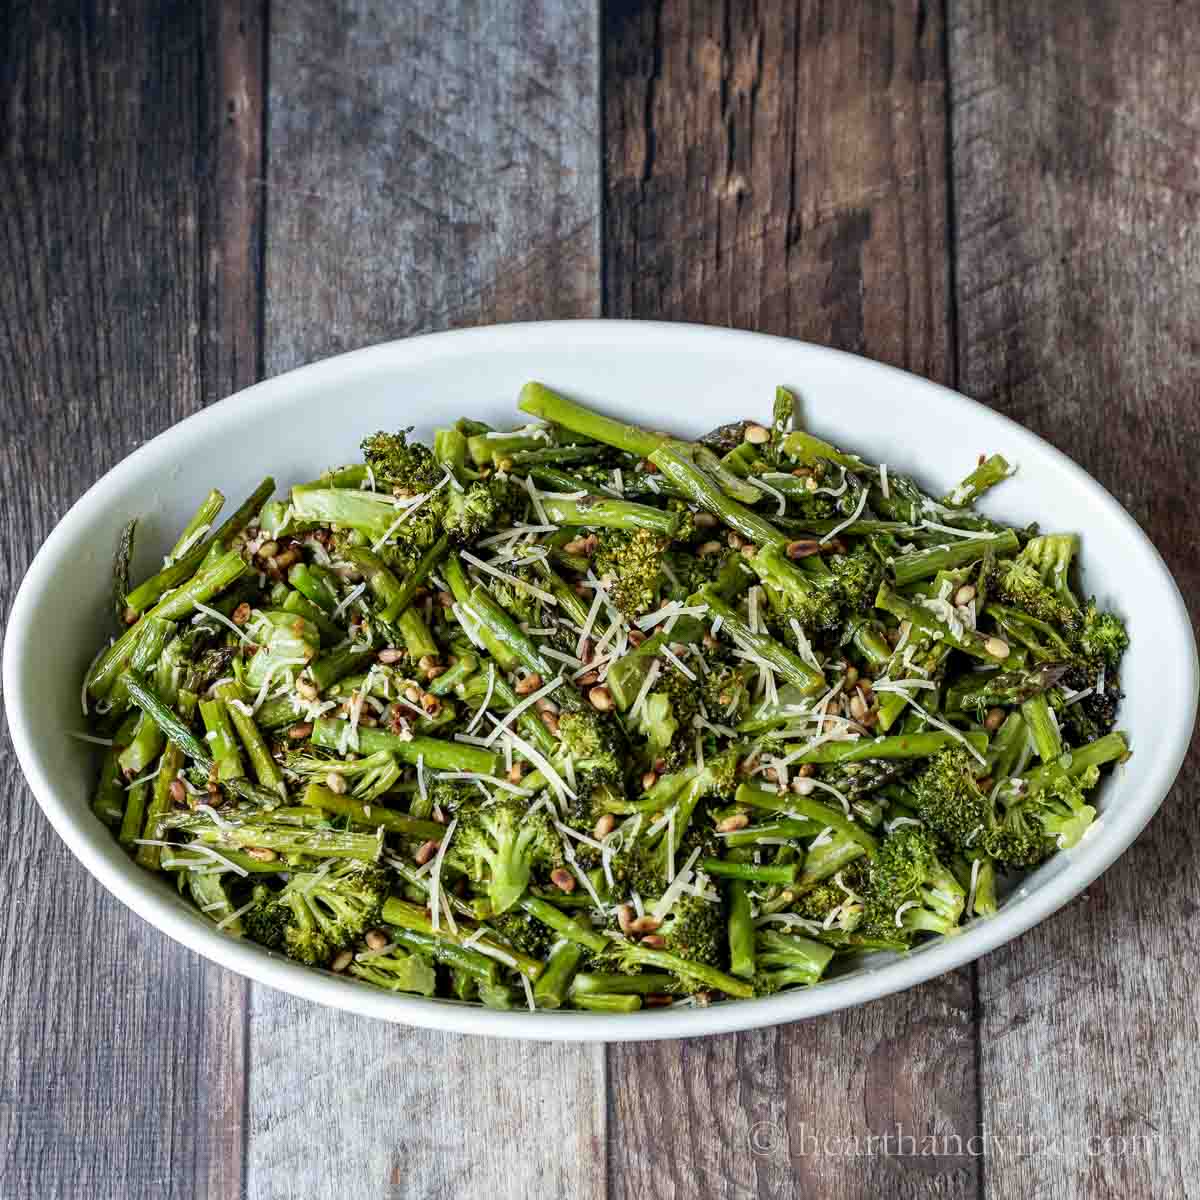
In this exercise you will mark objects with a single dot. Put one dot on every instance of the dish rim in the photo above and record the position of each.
(147, 897)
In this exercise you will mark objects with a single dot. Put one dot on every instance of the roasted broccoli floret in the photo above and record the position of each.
(499, 844)
(629, 564)
(695, 929)
(1102, 639)
(400, 464)
(947, 798)
(910, 891)
(787, 960)
(665, 720)
(1036, 581)
(316, 915)
(397, 970)
(1034, 820)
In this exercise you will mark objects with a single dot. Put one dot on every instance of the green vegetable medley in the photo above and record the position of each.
(578, 715)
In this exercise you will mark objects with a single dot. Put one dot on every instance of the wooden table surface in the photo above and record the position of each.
(198, 193)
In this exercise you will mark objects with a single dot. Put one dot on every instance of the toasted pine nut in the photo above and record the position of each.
(514, 773)
(649, 780)
(335, 781)
(803, 786)
(427, 662)
(601, 699)
(657, 1000)
(445, 599)
(389, 655)
(756, 435)
(993, 720)
(851, 678)
(705, 520)
(341, 962)
(377, 939)
(425, 852)
(655, 941)
(804, 770)
(858, 707)
(604, 827)
(562, 879)
(434, 672)
(307, 689)
(261, 853)
(997, 647)
(546, 705)
(803, 548)
(300, 731)
(550, 720)
(625, 917)
(412, 694)
(268, 550)
(735, 540)
(749, 550)
(709, 548)
(178, 792)
(731, 824)
(241, 614)
(588, 679)
(530, 683)
(646, 924)
(965, 594)
(429, 702)
(636, 638)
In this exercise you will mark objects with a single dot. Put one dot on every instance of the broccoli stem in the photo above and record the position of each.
(133, 820)
(524, 459)
(925, 564)
(741, 930)
(552, 988)
(791, 666)
(458, 672)
(460, 588)
(1007, 745)
(487, 449)
(596, 1002)
(571, 603)
(266, 769)
(416, 919)
(635, 953)
(967, 640)
(416, 578)
(1109, 748)
(592, 983)
(284, 839)
(110, 800)
(224, 746)
(974, 693)
(900, 745)
(752, 835)
(370, 513)
(458, 957)
(178, 572)
(807, 808)
(1047, 740)
(418, 640)
(204, 516)
(439, 755)
(990, 472)
(508, 633)
(144, 747)
(372, 816)
(564, 925)
(313, 586)
(600, 512)
(540, 401)
(214, 576)
(181, 736)
(169, 766)
(676, 461)
(725, 869)
(731, 482)
(326, 669)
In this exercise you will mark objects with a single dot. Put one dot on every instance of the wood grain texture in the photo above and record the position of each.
(122, 1075)
(1076, 132)
(783, 166)
(430, 164)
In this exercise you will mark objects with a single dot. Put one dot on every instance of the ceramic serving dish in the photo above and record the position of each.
(679, 377)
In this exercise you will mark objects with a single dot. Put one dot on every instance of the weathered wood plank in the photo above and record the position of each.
(430, 164)
(121, 312)
(1075, 134)
(782, 167)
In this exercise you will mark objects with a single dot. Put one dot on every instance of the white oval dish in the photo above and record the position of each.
(685, 378)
